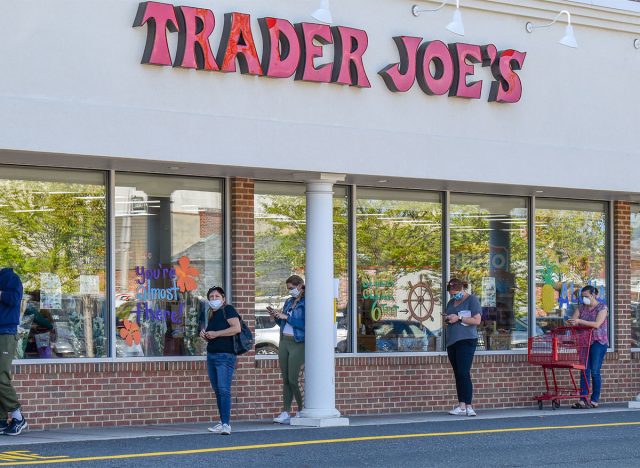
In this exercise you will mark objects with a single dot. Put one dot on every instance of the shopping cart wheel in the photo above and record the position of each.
(540, 404)
(555, 404)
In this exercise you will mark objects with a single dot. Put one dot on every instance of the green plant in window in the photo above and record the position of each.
(192, 339)
(76, 336)
(99, 336)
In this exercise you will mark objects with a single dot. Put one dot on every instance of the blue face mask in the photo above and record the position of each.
(459, 295)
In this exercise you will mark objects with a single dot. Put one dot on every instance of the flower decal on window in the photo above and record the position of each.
(186, 275)
(130, 333)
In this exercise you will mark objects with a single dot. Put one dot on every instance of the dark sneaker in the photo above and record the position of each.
(4, 425)
(16, 427)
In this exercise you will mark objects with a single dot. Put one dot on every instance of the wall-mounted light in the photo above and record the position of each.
(456, 25)
(569, 39)
(323, 14)
(636, 43)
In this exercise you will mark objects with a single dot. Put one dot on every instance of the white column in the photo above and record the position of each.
(319, 374)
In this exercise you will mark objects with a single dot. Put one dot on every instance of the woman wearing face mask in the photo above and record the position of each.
(223, 323)
(462, 315)
(592, 314)
(291, 352)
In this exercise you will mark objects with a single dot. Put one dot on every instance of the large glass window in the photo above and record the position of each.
(169, 252)
(571, 252)
(399, 270)
(489, 249)
(53, 234)
(280, 233)
(635, 276)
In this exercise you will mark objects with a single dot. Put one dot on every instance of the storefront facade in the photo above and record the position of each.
(128, 189)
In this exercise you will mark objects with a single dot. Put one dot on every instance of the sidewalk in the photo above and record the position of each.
(111, 433)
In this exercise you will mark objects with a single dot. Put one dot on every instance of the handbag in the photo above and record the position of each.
(242, 342)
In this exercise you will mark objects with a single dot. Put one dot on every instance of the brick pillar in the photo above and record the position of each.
(243, 289)
(622, 277)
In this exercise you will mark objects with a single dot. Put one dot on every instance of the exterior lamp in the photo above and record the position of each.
(456, 25)
(323, 14)
(569, 39)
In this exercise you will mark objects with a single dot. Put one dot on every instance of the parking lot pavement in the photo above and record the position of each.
(132, 432)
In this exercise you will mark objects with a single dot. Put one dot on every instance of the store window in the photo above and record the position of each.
(169, 252)
(571, 252)
(53, 234)
(280, 233)
(489, 249)
(399, 270)
(635, 276)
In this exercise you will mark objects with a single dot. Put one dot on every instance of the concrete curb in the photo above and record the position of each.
(132, 432)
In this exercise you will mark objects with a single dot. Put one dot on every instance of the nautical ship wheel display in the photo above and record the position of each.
(420, 301)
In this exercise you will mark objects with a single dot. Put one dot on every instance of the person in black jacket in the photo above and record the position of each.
(10, 299)
(222, 326)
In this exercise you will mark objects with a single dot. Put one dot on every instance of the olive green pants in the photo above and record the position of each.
(291, 356)
(8, 398)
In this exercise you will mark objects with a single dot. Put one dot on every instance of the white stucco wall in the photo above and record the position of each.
(71, 82)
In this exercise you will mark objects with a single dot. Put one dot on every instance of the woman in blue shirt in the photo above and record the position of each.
(291, 353)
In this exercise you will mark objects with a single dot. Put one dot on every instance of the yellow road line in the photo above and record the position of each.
(322, 441)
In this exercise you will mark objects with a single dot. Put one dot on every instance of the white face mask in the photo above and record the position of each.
(215, 304)
(295, 292)
(586, 301)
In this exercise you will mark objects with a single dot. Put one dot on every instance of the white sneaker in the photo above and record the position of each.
(283, 418)
(226, 429)
(217, 429)
(457, 411)
(470, 411)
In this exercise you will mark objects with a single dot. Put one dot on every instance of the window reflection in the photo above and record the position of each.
(489, 249)
(280, 237)
(571, 246)
(399, 269)
(168, 254)
(53, 234)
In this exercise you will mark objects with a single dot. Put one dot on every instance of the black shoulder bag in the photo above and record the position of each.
(242, 342)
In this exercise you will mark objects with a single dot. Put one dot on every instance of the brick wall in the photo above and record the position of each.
(96, 394)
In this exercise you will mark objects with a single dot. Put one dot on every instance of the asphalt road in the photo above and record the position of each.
(583, 439)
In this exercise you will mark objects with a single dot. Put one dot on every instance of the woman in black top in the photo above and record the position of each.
(223, 324)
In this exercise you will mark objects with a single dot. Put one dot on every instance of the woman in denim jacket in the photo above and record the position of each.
(291, 353)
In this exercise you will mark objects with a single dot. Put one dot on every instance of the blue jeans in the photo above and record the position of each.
(221, 367)
(597, 352)
(461, 358)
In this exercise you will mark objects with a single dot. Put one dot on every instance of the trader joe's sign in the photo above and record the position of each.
(291, 50)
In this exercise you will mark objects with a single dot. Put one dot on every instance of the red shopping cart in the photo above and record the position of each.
(562, 348)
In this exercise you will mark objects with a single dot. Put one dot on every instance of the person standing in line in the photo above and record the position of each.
(291, 353)
(463, 314)
(223, 324)
(10, 300)
(592, 313)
